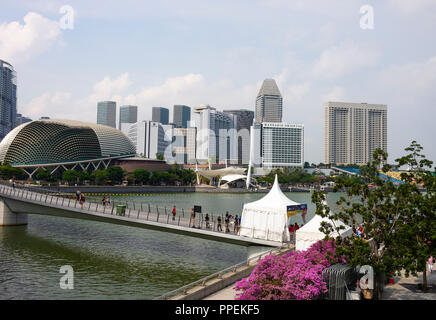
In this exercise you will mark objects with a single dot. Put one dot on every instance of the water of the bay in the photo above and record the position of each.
(118, 262)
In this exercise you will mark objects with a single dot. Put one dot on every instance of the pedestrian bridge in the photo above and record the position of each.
(17, 203)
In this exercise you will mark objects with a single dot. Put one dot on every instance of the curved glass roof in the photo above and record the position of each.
(52, 141)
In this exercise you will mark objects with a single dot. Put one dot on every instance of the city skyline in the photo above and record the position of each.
(324, 57)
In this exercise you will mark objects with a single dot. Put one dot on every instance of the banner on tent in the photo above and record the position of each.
(294, 210)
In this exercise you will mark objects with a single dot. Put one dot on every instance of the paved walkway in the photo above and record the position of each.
(404, 288)
(224, 294)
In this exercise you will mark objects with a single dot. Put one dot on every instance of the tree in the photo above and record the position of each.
(115, 174)
(159, 156)
(141, 175)
(70, 175)
(43, 174)
(418, 231)
(99, 176)
(388, 214)
(83, 175)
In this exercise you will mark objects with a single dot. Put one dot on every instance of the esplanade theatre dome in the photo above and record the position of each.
(56, 141)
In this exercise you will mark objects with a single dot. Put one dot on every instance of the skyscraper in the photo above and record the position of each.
(282, 145)
(8, 98)
(269, 103)
(181, 116)
(216, 134)
(20, 119)
(244, 121)
(128, 114)
(160, 114)
(149, 137)
(353, 131)
(107, 113)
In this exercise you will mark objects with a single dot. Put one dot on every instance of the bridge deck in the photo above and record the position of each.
(31, 202)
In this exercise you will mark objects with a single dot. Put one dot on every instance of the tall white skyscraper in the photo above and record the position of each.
(269, 103)
(278, 145)
(216, 134)
(353, 131)
(150, 138)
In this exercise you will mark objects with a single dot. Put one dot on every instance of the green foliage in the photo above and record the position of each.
(43, 174)
(159, 156)
(70, 175)
(400, 220)
(99, 176)
(8, 172)
(289, 176)
(115, 174)
(141, 176)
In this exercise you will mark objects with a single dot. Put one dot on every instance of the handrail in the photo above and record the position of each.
(163, 218)
(217, 275)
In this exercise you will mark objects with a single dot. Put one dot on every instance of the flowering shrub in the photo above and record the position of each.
(293, 276)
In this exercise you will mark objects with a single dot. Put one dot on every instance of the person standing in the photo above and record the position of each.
(218, 227)
(174, 212)
(430, 263)
(78, 194)
(207, 221)
(192, 217)
(82, 200)
(236, 225)
(227, 221)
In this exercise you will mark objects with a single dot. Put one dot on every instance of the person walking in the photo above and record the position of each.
(207, 221)
(236, 225)
(218, 227)
(78, 194)
(430, 263)
(82, 200)
(104, 201)
(108, 201)
(227, 221)
(192, 217)
(174, 212)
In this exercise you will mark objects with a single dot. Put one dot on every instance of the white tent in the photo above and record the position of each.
(309, 233)
(267, 218)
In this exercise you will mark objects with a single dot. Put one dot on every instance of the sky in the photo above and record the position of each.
(71, 54)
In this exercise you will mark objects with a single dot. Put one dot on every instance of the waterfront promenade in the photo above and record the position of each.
(403, 289)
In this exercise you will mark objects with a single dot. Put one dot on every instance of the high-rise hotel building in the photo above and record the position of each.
(269, 103)
(276, 144)
(353, 131)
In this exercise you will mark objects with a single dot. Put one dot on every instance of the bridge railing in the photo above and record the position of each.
(152, 213)
(218, 275)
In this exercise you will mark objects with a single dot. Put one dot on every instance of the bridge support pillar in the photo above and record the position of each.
(254, 251)
(9, 218)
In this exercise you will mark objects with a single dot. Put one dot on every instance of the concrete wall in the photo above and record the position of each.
(9, 218)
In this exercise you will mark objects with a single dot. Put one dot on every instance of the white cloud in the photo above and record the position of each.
(296, 93)
(20, 42)
(407, 7)
(336, 94)
(413, 77)
(344, 59)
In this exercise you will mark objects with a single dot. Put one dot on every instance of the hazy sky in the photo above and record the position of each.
(161, 53)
